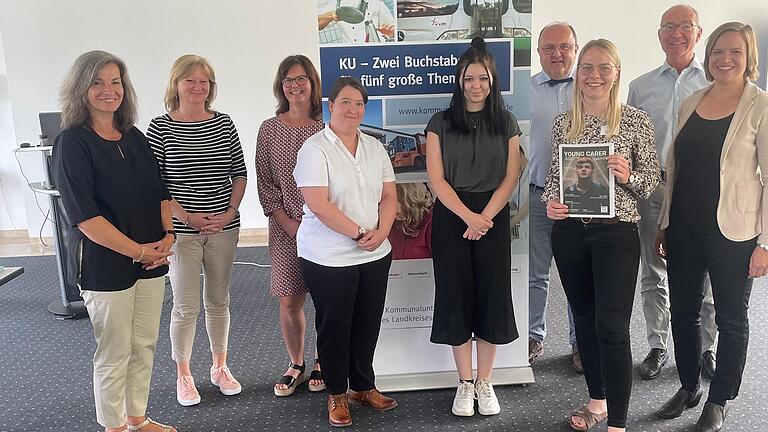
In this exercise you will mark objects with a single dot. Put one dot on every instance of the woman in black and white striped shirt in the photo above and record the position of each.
(202, 163)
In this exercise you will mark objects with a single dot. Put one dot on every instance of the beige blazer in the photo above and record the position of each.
(742, 211)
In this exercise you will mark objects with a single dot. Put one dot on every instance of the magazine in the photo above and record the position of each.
(586, 184)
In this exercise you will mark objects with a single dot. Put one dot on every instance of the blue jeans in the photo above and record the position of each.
(539, 263)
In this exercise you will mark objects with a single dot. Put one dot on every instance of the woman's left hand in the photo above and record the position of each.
(164, 245)
(216, 223)
(471, 234)
(619, 167)
(758, 263)
(371, 240)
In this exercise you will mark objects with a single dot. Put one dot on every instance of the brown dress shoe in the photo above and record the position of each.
(372, 398)
(338, 411)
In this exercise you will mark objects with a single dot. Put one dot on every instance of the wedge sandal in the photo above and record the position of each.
(291, 382)
(316, 375)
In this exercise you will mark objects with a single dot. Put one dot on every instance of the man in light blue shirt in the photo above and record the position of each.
(551, 94)
(660, 93)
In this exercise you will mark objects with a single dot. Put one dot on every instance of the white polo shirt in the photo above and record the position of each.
(354, 186)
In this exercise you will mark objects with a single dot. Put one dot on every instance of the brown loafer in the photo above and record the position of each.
(338, 411)
(372, 398)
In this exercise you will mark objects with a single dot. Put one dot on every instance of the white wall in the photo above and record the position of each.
(632, 26)
(12, 210)
(243, 39)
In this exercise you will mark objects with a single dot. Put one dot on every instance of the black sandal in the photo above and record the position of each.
(291, 382)
(316, 375)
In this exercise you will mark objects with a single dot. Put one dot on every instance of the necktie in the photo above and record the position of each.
(554, 82)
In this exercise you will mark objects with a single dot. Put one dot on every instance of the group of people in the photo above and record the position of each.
(687, 167)
(168, 203)
(689, 153)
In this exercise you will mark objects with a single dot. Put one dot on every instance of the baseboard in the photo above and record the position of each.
(253, 232)
(439, 380)
(14, 234)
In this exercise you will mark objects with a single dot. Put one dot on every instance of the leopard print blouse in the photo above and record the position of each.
(635, 141)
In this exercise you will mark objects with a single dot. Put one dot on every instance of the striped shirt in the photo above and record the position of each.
(198, 161)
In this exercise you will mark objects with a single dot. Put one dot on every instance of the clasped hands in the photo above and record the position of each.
(478, 225)
(210, 223)
(155, 254)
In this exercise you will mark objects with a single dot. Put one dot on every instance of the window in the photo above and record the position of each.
(420, 8)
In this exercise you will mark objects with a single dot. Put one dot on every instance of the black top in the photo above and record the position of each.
(477, 161)
(697, 170)
(592, 200)
(118, 180)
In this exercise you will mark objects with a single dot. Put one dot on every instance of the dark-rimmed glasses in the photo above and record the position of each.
(299, 80)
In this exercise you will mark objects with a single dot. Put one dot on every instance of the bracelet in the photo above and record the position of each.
(186, 221)
(141, 256)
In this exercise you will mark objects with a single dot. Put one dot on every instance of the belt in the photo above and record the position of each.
(537, 187)
(604, 221)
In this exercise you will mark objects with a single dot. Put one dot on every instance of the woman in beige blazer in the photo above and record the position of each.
(713, 218)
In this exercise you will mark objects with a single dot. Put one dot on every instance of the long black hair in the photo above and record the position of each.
(494, 113)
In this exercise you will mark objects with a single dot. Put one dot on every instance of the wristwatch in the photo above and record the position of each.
(171, 232)
(631, 178)
(361, 232)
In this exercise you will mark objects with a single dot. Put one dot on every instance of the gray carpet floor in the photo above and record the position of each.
(46, 372)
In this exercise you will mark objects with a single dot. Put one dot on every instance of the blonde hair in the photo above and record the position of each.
(745, 30)
(575, 118)
(415, 201)
(182, 67)
(74, 91)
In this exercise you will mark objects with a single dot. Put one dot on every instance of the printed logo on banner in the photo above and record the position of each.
(406, 69)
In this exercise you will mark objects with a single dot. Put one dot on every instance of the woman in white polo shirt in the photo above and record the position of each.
(348, 186)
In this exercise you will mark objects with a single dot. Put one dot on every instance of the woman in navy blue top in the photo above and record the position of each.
(116, 203)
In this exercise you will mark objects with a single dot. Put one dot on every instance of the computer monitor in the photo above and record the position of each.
(50, 127)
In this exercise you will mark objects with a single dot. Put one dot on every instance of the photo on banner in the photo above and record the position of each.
(405, 54)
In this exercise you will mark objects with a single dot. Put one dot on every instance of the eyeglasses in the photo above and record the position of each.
(670, 28)
(299, 80)
(604, 69)
(563, 48)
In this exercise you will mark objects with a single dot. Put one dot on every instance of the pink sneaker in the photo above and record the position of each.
(223, 378)
(186, 392)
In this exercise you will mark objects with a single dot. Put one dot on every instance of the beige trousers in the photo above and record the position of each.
(213, 256)
(125, 326)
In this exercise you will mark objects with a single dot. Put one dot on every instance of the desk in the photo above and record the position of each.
(10, 273)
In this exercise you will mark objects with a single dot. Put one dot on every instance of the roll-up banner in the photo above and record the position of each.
(405, 54)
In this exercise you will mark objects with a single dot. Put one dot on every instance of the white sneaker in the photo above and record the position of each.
(487, 403)
(464, 402)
